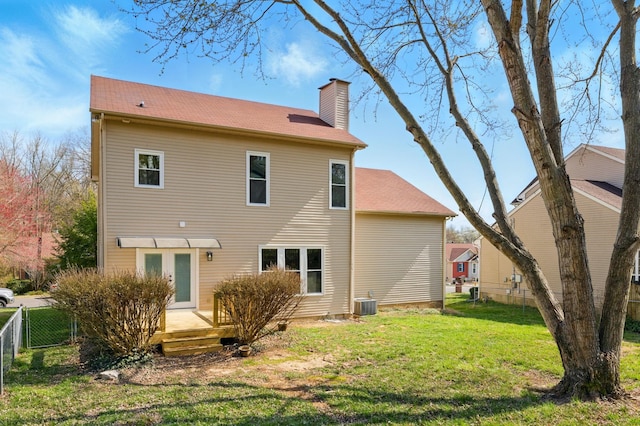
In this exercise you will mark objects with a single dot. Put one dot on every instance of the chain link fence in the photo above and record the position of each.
(523, 296)
(45, 327)
(33, 328)
(10, 343)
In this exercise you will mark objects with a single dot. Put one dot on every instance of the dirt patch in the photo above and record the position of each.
(270, 361)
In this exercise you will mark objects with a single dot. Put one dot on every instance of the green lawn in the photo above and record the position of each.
(482, 364)
(5, 315)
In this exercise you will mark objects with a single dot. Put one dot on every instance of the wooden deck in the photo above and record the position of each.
(190, 332)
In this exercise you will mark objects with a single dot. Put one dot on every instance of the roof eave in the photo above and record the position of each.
(401, 213)
(223, 129)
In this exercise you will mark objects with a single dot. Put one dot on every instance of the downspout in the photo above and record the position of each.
(479, 249)
(102, 197)
(444, 262)
(352, 200)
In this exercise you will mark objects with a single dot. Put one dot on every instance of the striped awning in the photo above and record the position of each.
(167, 242)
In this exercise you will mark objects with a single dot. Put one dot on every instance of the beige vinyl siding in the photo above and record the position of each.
(587, 165)
(534, 228)
(205, 186)
(399, 258)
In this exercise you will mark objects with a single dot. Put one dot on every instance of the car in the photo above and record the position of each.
(6, 297)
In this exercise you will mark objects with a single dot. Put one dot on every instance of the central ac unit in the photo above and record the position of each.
(365, 307)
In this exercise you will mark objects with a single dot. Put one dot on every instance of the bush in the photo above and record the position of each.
(257, 302)
(19, 286)
(120, 310)
(632, 325)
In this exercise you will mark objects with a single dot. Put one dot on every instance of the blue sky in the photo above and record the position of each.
(49, 49)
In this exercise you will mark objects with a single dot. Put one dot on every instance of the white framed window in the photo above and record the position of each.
(474, 268)
(257, 178)
(338, 184)
(635, 272)
(460, 267)
(308, 262)
(149, 169)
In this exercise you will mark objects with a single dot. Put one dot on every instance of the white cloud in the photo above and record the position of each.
(483, 36)
(215, 82)
(45, 75)
(85, 35)
(300, 62)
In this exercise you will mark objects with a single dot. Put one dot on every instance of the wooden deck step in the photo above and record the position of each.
(190, 341)
(191, 350)
(191, 345)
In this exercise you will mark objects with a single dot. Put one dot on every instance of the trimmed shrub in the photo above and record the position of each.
(120, 311)
(19, 286)
(256, 303)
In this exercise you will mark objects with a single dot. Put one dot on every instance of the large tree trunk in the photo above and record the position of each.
(589, 372)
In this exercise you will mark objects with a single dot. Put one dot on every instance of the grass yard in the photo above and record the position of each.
(5, 315)
(478, 364)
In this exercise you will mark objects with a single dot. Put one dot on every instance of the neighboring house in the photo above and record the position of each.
(462, 261)
(202, 187)
(596, 175)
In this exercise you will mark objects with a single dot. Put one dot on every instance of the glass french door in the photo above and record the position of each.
(179, 267)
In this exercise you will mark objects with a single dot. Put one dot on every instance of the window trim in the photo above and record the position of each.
(136, 163)
(303, 264)
(267, 177)
(460, 266)
(347, 172)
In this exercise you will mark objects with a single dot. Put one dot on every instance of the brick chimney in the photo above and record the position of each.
(334, 103)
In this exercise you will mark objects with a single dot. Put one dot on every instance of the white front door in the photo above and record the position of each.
(179, 265)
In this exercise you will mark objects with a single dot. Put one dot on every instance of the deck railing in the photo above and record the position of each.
(220, 316)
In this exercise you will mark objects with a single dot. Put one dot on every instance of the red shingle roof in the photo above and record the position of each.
(455, 250)
(385, 192)
(124, 98)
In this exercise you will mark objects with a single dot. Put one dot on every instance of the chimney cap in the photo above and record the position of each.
(334, 80)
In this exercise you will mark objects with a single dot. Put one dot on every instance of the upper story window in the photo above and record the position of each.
(460, 267)
(339, 185)
(149, 171)
(257, 179)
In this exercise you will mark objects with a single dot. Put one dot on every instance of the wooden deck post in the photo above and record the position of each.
(163, 321)
(216, 311)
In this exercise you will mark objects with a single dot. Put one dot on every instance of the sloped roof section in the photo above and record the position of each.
(136, 100)
(382, 191)
(455, 250)
(603, 191)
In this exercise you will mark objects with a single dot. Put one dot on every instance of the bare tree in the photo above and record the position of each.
(426, 48)
(463, 234)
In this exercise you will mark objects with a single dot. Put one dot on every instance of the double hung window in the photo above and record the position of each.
(257, 179)
(339, 184)
(149, 169)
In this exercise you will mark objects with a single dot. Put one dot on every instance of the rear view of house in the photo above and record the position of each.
(201, 187)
